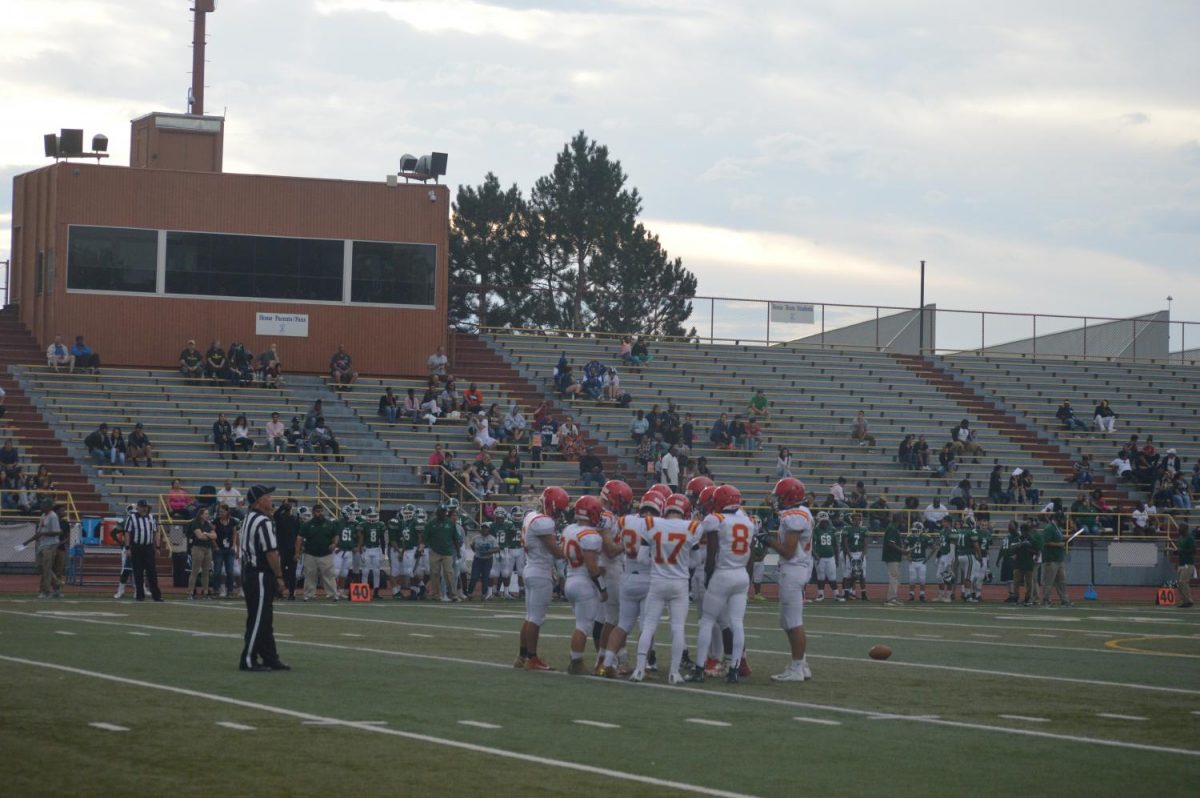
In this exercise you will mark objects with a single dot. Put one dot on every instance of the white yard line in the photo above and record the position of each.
(707, 722)
(1116, 716)
(61, 632)
(1035, 634)
(818, 721)
(597, 724)
(108, 726)
(478, 724)
(418, 634)
(228, 724)
(981, 634)
(140, 634)
(1025, 718)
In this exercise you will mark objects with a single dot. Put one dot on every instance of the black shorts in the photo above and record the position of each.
(1006, 570)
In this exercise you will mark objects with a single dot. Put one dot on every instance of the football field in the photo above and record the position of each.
(103, 697)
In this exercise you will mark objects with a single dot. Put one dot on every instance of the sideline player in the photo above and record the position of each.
(373, 534)
(541, 554)
(793, 544)
(855, 537)
(345, 560)
(918, 551)
(401, 550)
(726, 577)
(824, 548)
(616, 497)
(981, 568)
(945, 564)
(635, 584)
(122, 539)
(1008, 544)
(586, 587)
(511, 556)
(966, 551)
(671, 538)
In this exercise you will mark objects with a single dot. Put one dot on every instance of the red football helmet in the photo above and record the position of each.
(618, 494)
(653, 500)
(678, 503)
(661, 490)
(697, 484)
(554, 501)
(789, 492)
(589, 508)
(725, 497)
(706, 499)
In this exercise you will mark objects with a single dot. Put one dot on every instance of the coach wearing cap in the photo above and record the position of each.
(262, 580)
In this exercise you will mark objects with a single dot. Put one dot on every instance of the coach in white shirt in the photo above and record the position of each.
(670, 470)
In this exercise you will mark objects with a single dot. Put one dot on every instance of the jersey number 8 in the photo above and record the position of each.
(741, 539)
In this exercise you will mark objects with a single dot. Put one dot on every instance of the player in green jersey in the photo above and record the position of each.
(966, 552)
(945, 564)
(823, 550)
(768, 520)
(920, 548)
(1008, 544)
(349, 543)
(511, 556)
(855, 540)
(372, 534)
(981, 569)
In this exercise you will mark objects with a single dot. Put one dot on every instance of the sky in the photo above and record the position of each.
(1042, 157)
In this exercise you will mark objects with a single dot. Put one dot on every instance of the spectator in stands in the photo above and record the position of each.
(703, 469)
(1104, 418)
(1083, 471)
(547, 431)
(191, 362)
(232, 498)
(472, 399)
(389, 406)
(591, 471)
(57, 354)
(935, 513)
(480, 429)
(758, 405)
(1121, 466)
(323, 441)
(753, 437)
(316, 411)
(216, 363)
(297, 438)
(179, 501)
(222, 436)
(139, 445)
(639, 353)
(858, 496)
(85, 358)
(97, 445)
(611, 386)
(1143, 467)
(783, 462)
(117, 449)
(654, 420)
(341, 369)
(625, 352)
(566, 384)
(963, 438)
(737, 431)
(510, 471)
(242, 435)
(270, 367)
(1083, 514)
(447, 397)
(1181, 497)
(859, 432)
(276, 437)
(241, 365)
(837, 493)
(905, 454)
(947, 460)
(1066, 414)
(720, 435)
(569, 444)
(921, 453)
(960, 495)
(410, 408)
(29, 502)
(1171, 464)
(1163, 491)
(670, 469)
(433, 466)
(1140, 517)
(516, 429)
(593, 379)
(3, 409)
(9, 459)
(437, 364)
(482, 475)
(996, 492)
(687, 434)
(639, 427)
(1026, 478)
(496, 422)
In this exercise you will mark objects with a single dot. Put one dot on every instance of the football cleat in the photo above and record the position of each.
(674, 678)
(792, 673)
(731, 676)
(712, 666)
(696, 674)
(520, 662)
(807, 671)
(758, 597)
(535, 663)
(575, 668)
(637, 675)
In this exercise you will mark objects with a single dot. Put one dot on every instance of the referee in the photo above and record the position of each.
(262, 580)
(141, 534)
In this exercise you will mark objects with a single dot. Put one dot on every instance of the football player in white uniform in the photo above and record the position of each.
(635, 584)
(586, 587)
(617, 497)
(670, 539)
(794, 546)
(726, 576)
(541, 554)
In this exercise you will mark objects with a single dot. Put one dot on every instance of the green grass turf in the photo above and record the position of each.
(423, 668)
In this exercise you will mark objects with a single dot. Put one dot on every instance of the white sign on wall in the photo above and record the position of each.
(791, 313)
(292, 324)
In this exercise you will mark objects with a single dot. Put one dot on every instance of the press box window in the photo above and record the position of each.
(393, 274)
(112, 259)
(254, 267)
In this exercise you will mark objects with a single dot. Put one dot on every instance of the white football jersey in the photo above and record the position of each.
(537, 525)
(609, 524)
(576, 539)
(671, 541)
(798, 519)
(734, 533)
(630, 531)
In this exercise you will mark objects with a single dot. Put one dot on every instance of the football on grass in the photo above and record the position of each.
(879, 652)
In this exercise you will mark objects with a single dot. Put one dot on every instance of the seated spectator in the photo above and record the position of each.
(222, 436)
(859, 431)
(433, 471)
(1140, 518)
(57, 354)
(921, 453)
(753, 437)
(610, 386)
(858, 496)
(1163, 492)
(1181, 497)
(783, 462)
(276, 437)
(703, 469)
(737, 431)
(947, 460)
(935, 514)
(270, 367)
(536, 444)
(566, 384)
(341, 369)
(1171, 464)
(139, 445)
(515, 427)
(179, 501)
(1104, 418)
(242, 435)
(547, 430)
(410, 408)
(431, 410)
(837, 493)
(191, 362)
(97, 445)
(963, 438)
(639, 354)
(3, 409)
(480, 429)
(85, 358)
(323, 441)
(496, 423)
(543, 412)
(316, 411)
(297, 438)
(720, 435)
(1031, 493)
(905, 454)
(1121, 466)
(1083, 471)
(758, 405)
(482, 475)
(687, 434)
(216, 363)
(9, 459)
(389, 406)
(472, 399)
(437, 364)
(569, 444)
(960, 495)
(1083, 514)
(1143, 468)
(447, 398)
(117, 449)
(1195, 480)
(1066, 414)
(593, 379)
(241, 365)
(996, 491)
(591, 471)
(625, 351)
(510, 471)
(231, 497)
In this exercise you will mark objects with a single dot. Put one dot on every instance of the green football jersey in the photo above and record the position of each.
(856, 538)
(347, 535)
(918, 546)
(1008, 543)
(985, 542)
(823, 541)
(964, 542)
(946, 540)
(507, 534)
(374, 533)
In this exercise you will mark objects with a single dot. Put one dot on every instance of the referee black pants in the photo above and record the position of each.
(288, 564)
(259, 587)
(144, 569)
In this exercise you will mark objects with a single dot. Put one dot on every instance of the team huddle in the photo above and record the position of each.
(626, 564)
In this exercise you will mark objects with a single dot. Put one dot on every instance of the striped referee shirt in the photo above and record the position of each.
(140, 530)
(258, 538)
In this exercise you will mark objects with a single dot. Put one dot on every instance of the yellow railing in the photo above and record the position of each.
(331, 491)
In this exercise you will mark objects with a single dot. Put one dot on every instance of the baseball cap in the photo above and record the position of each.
(143, 503)
(257, 492)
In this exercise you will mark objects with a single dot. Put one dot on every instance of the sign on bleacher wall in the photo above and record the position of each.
(791, 313)
(293, 324)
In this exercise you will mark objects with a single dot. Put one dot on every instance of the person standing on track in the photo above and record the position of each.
(918, 551)
(262, 581)
(122, 539)
(893, 555)
(143, 533)
(541, 553)
(793, 544)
